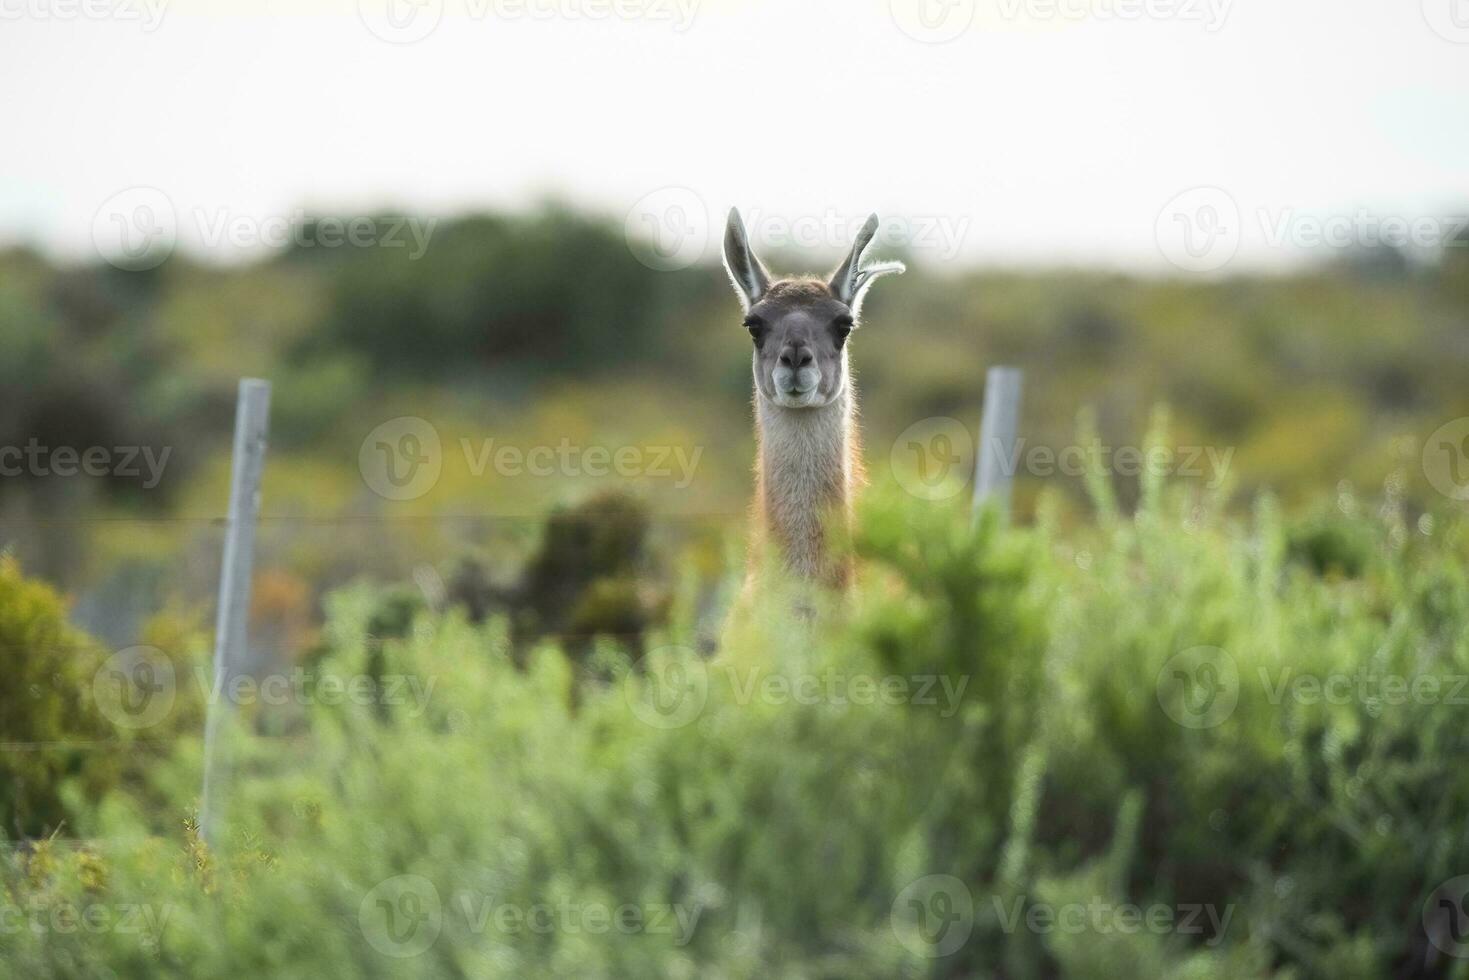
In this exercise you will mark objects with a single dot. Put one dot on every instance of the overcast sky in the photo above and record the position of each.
(1009, 131)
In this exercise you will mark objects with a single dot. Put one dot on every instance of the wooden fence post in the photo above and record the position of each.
(994, 463)
(252, 417)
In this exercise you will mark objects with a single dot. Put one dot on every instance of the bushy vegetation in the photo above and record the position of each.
(67, 737)
(46, 712)
(542, 326)
(1237, 716)
(1005, 727)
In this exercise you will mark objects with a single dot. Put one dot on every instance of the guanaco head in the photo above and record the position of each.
(800, 326)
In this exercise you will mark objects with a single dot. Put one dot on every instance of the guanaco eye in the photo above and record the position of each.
(756, 326)
(843, 325)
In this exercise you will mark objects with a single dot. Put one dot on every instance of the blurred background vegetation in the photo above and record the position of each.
(533, 594)
(542, 326)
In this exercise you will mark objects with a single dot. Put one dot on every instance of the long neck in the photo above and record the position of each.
(805, 476)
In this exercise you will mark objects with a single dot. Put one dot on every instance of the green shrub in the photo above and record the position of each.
(48, 722)
(1065, 759)
(1331, 545)
(593, 574)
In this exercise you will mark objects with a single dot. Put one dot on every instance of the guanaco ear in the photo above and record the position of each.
(849, 283)
(750, 279)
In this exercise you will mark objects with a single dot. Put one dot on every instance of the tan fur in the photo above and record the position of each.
(808, 470)
(798, 289)
(808, 465)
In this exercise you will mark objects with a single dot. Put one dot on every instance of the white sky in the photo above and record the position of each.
(1033, 137)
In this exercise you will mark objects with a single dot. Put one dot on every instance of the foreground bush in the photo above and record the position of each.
(74, 724)
(47, 721)
(1161, 746)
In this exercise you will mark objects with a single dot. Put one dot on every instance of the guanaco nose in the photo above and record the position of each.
(796, 357)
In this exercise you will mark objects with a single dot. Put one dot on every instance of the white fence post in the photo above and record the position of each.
(994, 468)
(252, 418)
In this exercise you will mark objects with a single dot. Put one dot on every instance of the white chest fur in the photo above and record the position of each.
(805, 472)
